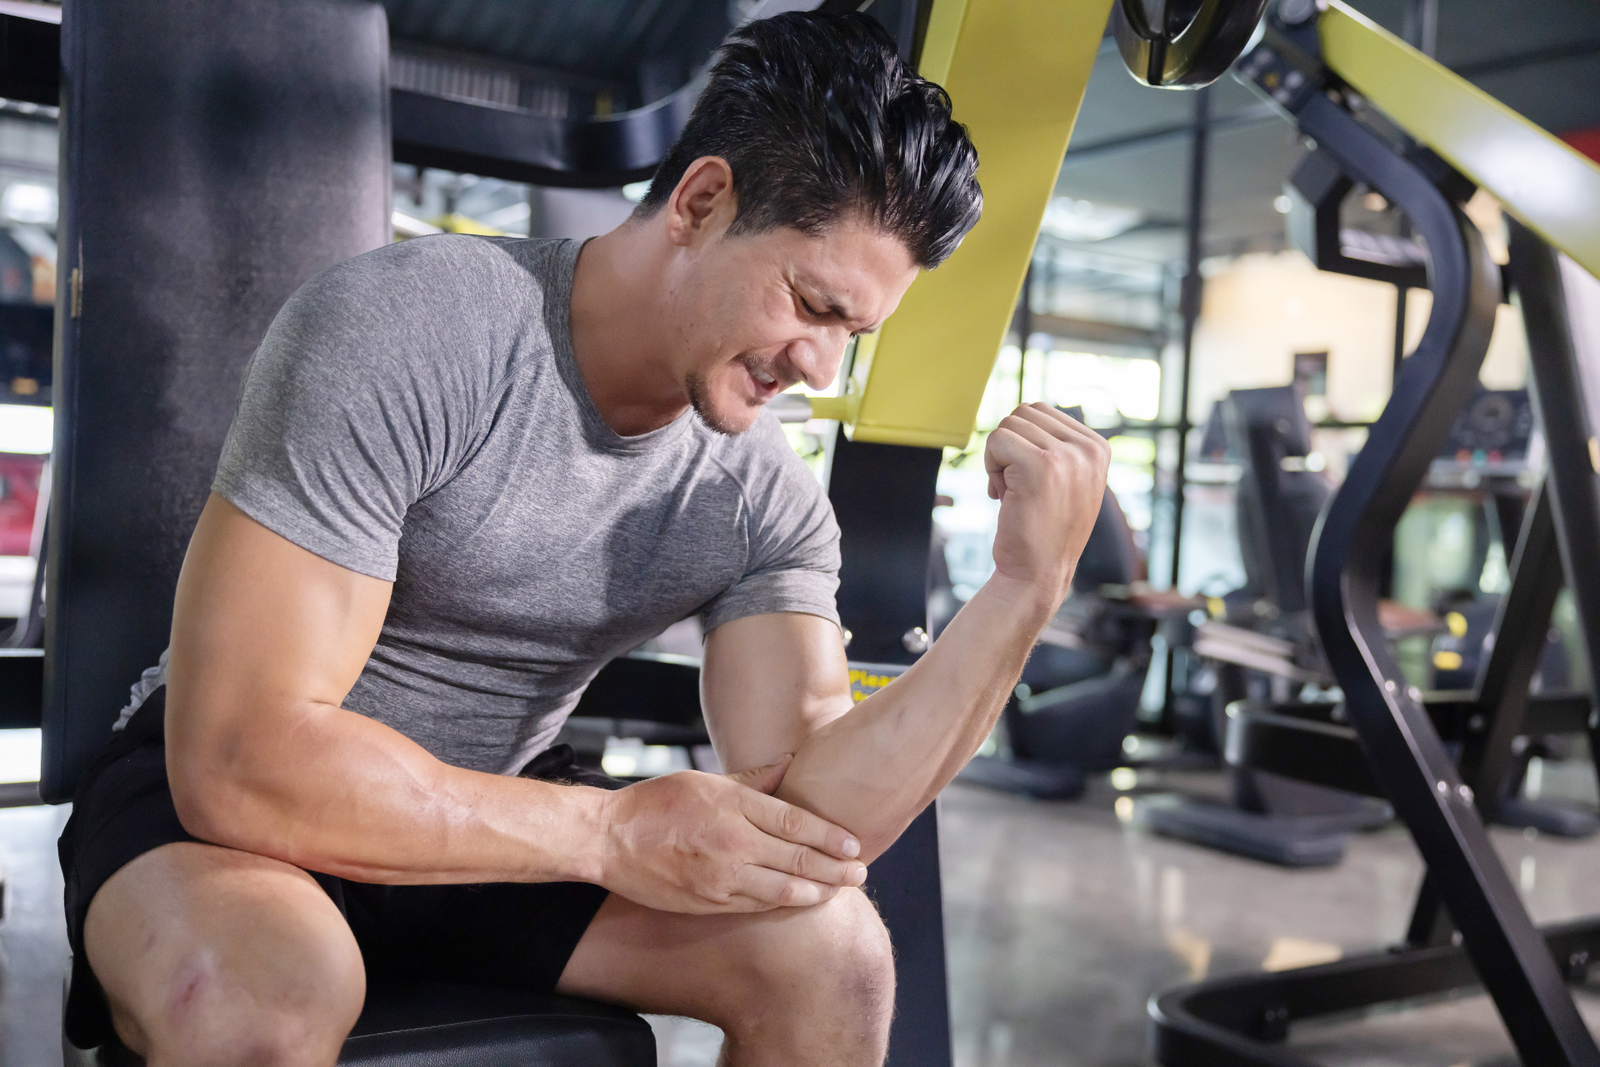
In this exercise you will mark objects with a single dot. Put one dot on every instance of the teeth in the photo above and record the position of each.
(762, 376)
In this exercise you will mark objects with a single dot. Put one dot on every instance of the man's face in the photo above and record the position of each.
(758, 313)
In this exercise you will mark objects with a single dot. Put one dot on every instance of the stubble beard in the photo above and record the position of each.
(700, 400)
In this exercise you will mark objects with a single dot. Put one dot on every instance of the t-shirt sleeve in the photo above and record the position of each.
(793, 538)
(356, 405)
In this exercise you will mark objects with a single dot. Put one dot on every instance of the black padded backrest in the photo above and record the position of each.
(1110, 556)
(214, 157)
(1277, 508)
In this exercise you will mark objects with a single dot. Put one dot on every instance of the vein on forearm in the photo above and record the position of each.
(875, 768)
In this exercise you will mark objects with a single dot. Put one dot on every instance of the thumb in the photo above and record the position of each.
(765, 779)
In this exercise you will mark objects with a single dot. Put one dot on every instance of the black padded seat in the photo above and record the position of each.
(430, 1024)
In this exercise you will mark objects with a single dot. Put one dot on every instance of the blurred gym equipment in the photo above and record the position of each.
(1328, 69)
(1266, 643)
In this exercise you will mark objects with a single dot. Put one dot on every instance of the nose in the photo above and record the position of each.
(817, 359)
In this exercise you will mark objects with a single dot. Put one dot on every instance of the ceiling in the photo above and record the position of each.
(1131, 146)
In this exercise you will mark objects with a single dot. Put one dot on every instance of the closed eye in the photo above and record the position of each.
(813, 312)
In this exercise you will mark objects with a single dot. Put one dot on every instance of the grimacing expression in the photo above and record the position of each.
(761, 312)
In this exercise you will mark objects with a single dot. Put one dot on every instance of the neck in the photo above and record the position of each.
(618, 306)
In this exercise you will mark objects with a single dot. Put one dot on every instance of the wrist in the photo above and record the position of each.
(1033, 598)
(595, 841)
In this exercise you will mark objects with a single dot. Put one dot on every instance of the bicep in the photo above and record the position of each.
(265, 634)
(768, 682)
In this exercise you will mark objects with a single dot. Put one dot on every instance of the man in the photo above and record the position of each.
(464, 474)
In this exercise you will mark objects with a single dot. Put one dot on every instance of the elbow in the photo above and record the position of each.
(879, 834)
(211, 802)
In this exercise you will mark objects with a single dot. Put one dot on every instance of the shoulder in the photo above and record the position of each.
(415, 296)
(442, 268)
(758, 455)
(783, 498)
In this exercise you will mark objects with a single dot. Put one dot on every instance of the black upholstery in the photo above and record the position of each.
(431, 1025)
(1277, 508)
(216, 157)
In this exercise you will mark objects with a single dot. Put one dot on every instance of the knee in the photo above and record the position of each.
(830, 962)
(293, 1013)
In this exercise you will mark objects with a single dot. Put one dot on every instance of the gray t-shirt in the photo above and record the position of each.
(416, 414)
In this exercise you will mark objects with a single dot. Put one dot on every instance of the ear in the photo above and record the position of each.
(703, 204)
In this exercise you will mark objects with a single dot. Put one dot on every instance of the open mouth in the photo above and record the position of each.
(765, 385)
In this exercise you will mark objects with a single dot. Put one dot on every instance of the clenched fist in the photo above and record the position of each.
(1048, 471)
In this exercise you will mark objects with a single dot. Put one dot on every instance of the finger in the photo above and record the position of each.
(1039, 437)
(803, 861)
(1076, 429)
(797, 825)
(1058, 424)
(764, 779)
(1004, 448)
(777, 890)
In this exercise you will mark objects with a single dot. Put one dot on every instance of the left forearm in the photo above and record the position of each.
(875, 768)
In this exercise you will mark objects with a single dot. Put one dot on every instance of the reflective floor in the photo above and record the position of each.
(1062, 920)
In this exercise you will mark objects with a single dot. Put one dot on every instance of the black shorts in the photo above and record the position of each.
(509, 934)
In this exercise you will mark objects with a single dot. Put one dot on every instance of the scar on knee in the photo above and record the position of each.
(190, 982)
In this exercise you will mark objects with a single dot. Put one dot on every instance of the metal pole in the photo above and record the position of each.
(1189, 305)
(1025, 331)
(1400, 292)
(1422, 26)
(1422, 32)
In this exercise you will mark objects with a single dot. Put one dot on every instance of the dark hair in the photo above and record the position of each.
(817, 116)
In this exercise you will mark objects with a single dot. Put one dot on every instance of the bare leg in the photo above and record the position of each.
(797, 987)
(210, 956)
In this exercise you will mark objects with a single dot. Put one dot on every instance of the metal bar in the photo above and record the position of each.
(1401, 293)
(520, 145)
(1095, 332)
(1024, 331)
(926, 376)
(882, 496)
(1520, 624)
(1500, 706)
(1547, 184)
(1189, 306)
(1557, 391)
(1407, 756)
(1241, 1021)
(1422, 26)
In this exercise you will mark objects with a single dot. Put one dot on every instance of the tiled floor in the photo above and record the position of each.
(1062, 920)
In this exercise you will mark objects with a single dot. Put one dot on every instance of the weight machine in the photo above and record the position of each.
(267, 128)
(1385, 116)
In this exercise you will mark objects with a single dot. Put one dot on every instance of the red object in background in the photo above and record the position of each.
(1585, 141)
(19, 497)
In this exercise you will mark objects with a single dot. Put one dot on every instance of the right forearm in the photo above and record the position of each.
(873, 769)
(333, 791)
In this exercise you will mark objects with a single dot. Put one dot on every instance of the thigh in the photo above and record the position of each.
(194, 943)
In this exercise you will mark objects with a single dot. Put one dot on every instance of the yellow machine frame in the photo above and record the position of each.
(920, 381)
